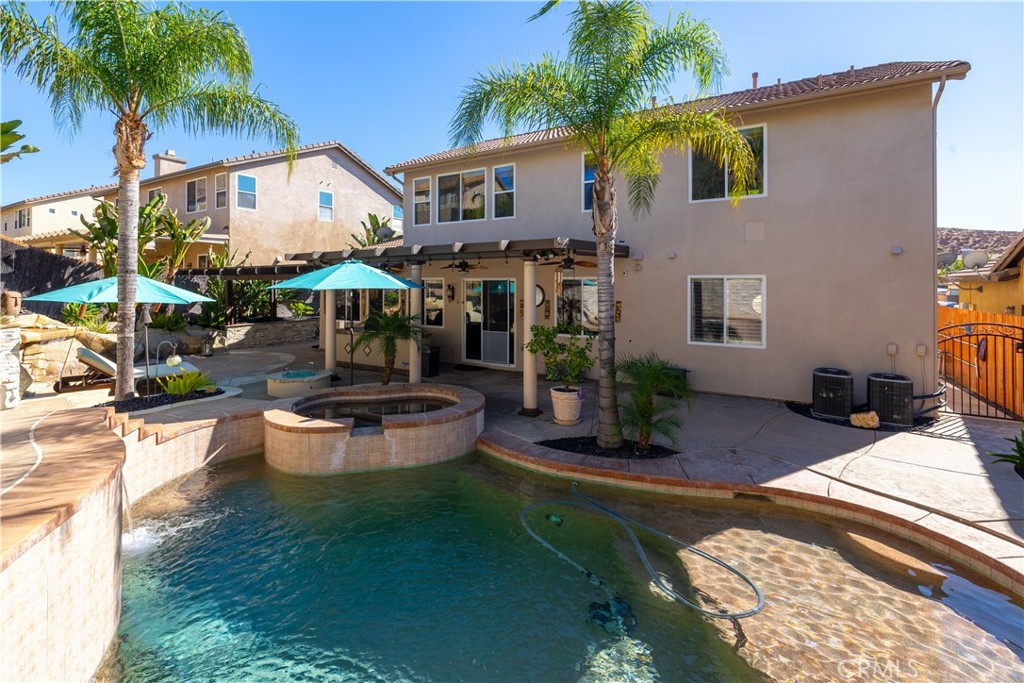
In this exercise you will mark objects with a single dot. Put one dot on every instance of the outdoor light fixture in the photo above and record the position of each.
(449, 293)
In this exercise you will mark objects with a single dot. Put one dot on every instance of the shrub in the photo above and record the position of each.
(564, 361)
(185, 383)
(172, 322)
(89, 316)
(1017, 457)
(657, 387)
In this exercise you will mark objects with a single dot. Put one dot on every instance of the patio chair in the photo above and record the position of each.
(101, 373)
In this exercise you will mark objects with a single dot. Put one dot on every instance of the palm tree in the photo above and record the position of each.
(385, 330)
(150, 66)
(618, 59)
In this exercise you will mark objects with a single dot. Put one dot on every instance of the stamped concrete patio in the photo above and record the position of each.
(939, 478)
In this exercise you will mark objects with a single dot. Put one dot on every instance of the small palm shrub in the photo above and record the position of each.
(185, 383)
(385, 330)
(649, 407)
(1017, 457)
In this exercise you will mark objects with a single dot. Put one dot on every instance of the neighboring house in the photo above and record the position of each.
(996, 287)
(830, 262)
(255, 205)
(46, 221)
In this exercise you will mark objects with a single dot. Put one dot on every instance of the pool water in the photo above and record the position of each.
(367, 412)
(244, 573)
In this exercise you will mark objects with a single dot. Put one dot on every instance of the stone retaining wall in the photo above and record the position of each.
(259, 335)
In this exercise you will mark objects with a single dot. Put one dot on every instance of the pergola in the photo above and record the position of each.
(530, 252)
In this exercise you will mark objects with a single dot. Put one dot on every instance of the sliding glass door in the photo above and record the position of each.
(489, 320)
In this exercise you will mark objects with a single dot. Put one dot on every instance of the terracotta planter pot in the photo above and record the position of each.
(566, 405)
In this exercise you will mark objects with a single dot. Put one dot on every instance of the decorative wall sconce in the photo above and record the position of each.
(449, 293)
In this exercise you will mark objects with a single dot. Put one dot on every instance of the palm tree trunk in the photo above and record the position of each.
(127, 272)
(389, 367)
(129, 151)
(609, 434)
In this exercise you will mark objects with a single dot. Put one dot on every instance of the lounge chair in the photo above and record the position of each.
(101, 372)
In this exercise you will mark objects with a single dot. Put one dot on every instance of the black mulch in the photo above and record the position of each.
(158, 401)
(805, 410)
(587, 445)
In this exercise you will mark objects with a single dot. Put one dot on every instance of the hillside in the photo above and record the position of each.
(956, 240)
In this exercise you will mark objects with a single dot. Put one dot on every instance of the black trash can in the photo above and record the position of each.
(833, 393)
(430, 359)
(892, 397)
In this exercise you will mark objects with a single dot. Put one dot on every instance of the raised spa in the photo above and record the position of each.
(372, 427)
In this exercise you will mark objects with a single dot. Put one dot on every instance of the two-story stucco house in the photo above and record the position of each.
(46, 221)
(253, 202)
(829, 263)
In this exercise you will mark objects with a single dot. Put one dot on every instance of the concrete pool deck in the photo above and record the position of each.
(938, 481)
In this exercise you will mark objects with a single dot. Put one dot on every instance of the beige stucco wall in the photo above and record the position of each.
(995, 297)
(847, 179)
(49, 216)
(286, 218)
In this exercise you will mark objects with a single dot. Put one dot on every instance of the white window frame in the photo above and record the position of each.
(239, 192)
(495, 192)
(583, 183)
(764, 173)
(460, 219)
(423, 311)
(320, 206)
(206, 196)
(725, 310)
(558, 294)
(152, 193)
(429, 202)
(203, 261)
(218, 193)
(23, 218)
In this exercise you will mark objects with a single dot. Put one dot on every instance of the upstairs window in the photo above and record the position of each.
(504, 185)
(709, 181)
(195, 195)
(421, 201)
(246, 191)
(727, 310)
(589, 173)
(460, 197)
(325, 206)
(152, 194)
(220, 191)
(24, 219)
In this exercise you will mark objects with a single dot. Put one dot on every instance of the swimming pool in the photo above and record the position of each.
(242, 572)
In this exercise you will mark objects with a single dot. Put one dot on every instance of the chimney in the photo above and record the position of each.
(821, 81)
(755, 80)
(852, 69)
(167, 163)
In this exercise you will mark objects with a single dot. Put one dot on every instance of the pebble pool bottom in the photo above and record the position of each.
(242, 573)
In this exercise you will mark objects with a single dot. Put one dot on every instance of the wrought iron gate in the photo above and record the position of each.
(982, 364)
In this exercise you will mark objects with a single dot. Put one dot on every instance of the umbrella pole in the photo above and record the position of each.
(351, 356)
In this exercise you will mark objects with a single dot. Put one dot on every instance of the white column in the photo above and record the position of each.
(415, 307)
(329, 340)
(529, 360)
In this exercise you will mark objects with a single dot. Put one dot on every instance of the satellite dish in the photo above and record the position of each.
(947, 259)
(385, 233)
(975, 259)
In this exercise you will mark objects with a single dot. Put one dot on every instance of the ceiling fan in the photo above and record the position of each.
(394, 267)
(463, 266)
(570, 263)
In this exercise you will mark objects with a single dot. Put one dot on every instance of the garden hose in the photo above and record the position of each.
(625, 523)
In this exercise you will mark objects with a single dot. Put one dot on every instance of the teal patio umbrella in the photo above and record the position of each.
(350, 274)
(104, 291)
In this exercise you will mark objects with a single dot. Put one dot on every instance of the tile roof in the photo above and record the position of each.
(86, 191)
(804, 88)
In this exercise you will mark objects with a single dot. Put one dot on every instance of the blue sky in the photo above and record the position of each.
(385, 78)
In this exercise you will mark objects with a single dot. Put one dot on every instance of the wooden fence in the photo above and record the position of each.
(983, 355)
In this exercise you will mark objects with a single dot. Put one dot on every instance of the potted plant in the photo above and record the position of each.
(1017, 457)
(385, 330)
(566, 354)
